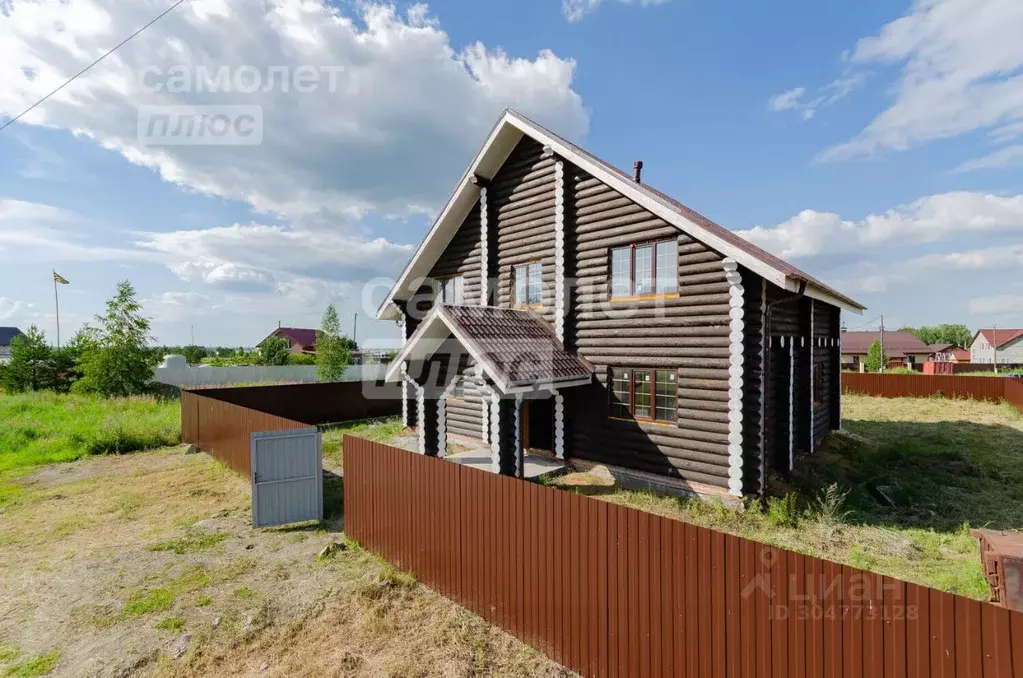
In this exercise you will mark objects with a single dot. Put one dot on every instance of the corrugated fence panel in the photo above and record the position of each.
(926, 385)
(607, 590)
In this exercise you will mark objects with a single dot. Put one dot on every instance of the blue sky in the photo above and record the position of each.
(878, 146)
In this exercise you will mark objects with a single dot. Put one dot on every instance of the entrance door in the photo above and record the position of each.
(538, 424)
(287, 476)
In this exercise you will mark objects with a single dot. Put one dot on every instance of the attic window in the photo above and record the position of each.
(644, 270)
(452, 290)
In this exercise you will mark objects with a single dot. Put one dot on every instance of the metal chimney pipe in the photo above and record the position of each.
(637, 170)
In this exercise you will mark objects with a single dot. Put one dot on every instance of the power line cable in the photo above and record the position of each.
(108, 53)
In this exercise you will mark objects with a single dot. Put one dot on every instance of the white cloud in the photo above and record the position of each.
(1003, 157)
(261, 257)
(787, 100)
(406, 116)
(927, 220)
(31, 231)
(576, 10)
(999, 304)
(923, 271)
(828, 95)
(9, 308)
(960, 63)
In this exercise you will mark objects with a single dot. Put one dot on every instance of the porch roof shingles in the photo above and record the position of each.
(518, 345)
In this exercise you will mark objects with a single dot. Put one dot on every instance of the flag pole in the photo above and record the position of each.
(56, 303)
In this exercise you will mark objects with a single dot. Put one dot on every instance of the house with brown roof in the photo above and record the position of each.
(902, 349)
(560, 304)
(948, 353)
(1006, 344)
(301, 340)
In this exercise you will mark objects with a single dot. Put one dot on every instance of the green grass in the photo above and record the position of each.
(46, 428)
(378, 430)
(945, 465)
(203, 601)
(37, 666)
(243, 593)
(171, 624)
(146, 602)
(193, 541)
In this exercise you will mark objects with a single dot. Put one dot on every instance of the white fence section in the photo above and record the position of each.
(287, 477)
(174, 370)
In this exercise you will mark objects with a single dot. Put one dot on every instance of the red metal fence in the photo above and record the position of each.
(925, 385)
(220, 420)
(611, 591)
(222, 429)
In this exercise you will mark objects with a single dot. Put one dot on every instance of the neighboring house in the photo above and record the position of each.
(903, 349)
(301, 340)
(948, 353)
(7, 335)
(1006, 343)
(558, 303)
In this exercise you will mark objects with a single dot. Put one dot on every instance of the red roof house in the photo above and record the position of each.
(302, 340)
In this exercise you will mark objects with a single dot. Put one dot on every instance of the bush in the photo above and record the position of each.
(301, 359)
(783, 511)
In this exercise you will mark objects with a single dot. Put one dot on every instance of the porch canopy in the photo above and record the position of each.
(515, 349)
(508, 353)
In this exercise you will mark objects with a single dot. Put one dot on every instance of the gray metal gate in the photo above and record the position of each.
(287, 476)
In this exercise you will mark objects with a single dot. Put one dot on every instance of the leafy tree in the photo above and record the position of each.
(31, 366)
(958, 335)
(274, 351)
(119, 362)
(68, 360)
(301, 359)
(875, 357)
(333, 352)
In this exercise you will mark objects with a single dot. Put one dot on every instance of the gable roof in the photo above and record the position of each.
(896, 344)
(508, 131)
(515, 347)
(7, 334)
(1003, 337)
(305, 338)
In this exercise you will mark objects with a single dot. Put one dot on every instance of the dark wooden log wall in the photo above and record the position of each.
(465, 414)
(521, 221)
(827, 357)
(802, 406)
(687, 333)
(752, 380)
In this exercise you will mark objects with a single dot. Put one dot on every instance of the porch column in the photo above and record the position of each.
(495, 431)
(520, 454)
(421, 418)
(559, 425)
(442, 411)
(429, 424)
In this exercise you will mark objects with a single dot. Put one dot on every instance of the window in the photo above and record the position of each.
(642, 270)
(818, 384)
(529, 284)
(451, 290)
(644, 394)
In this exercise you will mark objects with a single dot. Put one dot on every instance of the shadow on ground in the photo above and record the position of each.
(935, 475)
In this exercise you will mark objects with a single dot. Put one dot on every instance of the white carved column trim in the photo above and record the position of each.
(442, 418)
(404, 375)
(559, 425)
(495, 431)
(484, 391)
(421, 417)
(736, 329)
(559, 250)
(484, 256)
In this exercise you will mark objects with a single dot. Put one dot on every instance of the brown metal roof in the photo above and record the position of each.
(1002, 337)
(741, 243)
(518, 347)
(896, 344)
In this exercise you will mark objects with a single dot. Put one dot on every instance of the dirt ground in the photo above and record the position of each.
(147, 564)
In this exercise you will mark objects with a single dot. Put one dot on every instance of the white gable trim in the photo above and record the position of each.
(485, 164)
